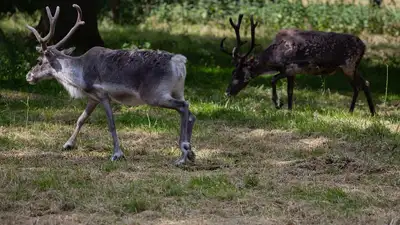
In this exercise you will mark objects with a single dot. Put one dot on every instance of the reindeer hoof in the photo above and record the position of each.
(179, 162)
(187, 154)
(68, 146)
(185, 158)
(117, 156)
(191, 156)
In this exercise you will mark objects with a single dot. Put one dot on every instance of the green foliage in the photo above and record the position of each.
(14, 57)
(339, 17)
(22, 5)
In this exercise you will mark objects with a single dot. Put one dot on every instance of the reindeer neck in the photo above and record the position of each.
(68, 68)
(69, 73)
(259, 66)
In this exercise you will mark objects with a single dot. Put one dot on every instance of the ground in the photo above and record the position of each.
(318, 164)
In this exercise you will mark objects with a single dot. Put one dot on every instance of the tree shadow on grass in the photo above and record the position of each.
(209, 72)
(221, 126)
(163, 120)
(374, 73)
(203, 52)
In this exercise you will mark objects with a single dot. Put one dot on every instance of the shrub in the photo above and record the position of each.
(339, 17)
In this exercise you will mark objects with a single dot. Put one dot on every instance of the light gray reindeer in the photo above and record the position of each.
(294, 52)
(136, 77)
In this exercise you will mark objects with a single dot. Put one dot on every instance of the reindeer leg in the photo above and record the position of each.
(186, 127)
(91, 105)
(117, 154)
(275, 79)
(367, 92)
(352, 73)
(191, 121)
(290, 84)
(354, 85)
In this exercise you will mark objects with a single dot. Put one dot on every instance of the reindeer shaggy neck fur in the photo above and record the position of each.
(130, 77)
(295, 51)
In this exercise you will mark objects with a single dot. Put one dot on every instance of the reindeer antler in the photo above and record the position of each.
(235, 52)
(253, 32)
(52, 20)
(74, 28)
(239, 42)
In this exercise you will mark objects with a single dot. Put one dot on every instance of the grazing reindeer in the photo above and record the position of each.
(133, 78)
(295, 51)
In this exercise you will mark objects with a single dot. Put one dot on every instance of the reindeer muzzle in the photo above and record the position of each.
(30, 79)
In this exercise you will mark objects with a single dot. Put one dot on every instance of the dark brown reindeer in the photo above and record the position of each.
(136, 77)
(298, 52)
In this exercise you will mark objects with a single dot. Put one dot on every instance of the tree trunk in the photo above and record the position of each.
(114, 5)
(85, 37)
(2, 36)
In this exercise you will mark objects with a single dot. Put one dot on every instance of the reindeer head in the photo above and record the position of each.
(241, 75)
(47, 63)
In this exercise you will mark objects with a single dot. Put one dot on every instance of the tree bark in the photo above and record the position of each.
(87, 35)
(115, 5)
(2, 36)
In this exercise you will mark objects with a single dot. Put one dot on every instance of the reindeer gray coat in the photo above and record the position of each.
(131, 77)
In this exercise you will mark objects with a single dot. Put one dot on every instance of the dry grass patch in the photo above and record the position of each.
(246, 184)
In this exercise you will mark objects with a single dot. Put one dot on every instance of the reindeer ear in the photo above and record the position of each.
(68, 51)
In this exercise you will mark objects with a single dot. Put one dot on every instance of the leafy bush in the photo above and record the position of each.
(14, 57)
(338, 17)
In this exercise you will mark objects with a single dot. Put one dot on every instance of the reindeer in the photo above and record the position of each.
(102, 75)
(295, 51)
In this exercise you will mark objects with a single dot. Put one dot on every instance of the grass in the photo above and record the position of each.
(255, 165)
(325, 197)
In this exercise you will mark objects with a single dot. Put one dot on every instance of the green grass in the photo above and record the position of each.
(255, 165)
(326, 197)
(213, 187)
